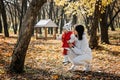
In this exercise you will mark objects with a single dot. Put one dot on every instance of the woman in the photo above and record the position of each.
(80, 53)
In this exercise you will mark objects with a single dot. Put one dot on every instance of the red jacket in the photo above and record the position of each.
(65, 38)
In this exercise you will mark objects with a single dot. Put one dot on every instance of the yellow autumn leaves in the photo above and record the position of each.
(106, 2)
(81, 6)
(60, 2)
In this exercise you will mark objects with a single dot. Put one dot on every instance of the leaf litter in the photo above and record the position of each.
(44, 61)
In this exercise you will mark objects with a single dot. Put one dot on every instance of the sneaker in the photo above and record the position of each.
(72, 68)
(87, 68)
(65, 63)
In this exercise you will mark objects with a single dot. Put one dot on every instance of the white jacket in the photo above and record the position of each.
(81, 46)
(81, 53)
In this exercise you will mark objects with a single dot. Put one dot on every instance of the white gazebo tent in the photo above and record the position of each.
(47, 23)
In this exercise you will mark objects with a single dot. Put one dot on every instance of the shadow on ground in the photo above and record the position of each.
(110, 52)
(40, 74)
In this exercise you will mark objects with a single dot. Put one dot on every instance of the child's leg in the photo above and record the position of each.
(65, 60)
(64, 52)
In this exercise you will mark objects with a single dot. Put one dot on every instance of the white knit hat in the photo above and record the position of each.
(67, 26)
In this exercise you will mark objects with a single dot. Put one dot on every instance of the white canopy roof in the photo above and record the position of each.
(46, 23)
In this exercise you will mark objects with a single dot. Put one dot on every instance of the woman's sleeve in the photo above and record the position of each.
(83, 46)
(72, 38)
(77, 50)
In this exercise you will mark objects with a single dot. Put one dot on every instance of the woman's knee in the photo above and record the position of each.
(78, 62)
(81, 60)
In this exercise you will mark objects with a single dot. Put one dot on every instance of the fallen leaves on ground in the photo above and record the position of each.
(44, 61)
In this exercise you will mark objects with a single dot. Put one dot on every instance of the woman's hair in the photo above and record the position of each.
(80, 31)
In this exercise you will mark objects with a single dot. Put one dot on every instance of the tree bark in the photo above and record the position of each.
(50, 30)
(104, 28)
(15, 19)
(19, 52)
(11, 15)
(93, 34)
(74, 20)
(4, 17)
(0, 24)
(23, 11)
(110, 13)
(113, 18)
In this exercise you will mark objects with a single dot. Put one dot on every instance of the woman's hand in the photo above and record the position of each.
(71, 45)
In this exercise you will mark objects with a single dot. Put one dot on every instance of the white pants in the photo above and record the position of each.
(81, 59)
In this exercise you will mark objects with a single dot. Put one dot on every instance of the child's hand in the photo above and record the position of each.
(59, 37)
(71, 45)
(68, 42)
(67, 48)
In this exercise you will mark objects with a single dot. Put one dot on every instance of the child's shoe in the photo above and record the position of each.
(72, 68)
(66, 61)
(87, 67)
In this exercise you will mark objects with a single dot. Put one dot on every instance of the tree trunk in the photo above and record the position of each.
(15, 19)
(19, 52)
(113, 17)
(43, 13)
(88, 21)
(11, 15)
(56, 18)
(23, 11)
(62, 20)
(74, 20)
(93, 34)
(61, 25)
(110, 13)
(104, 28)
(112, 27)
(112, 23)
(4, 17)
(0, 24)
(50, 30)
